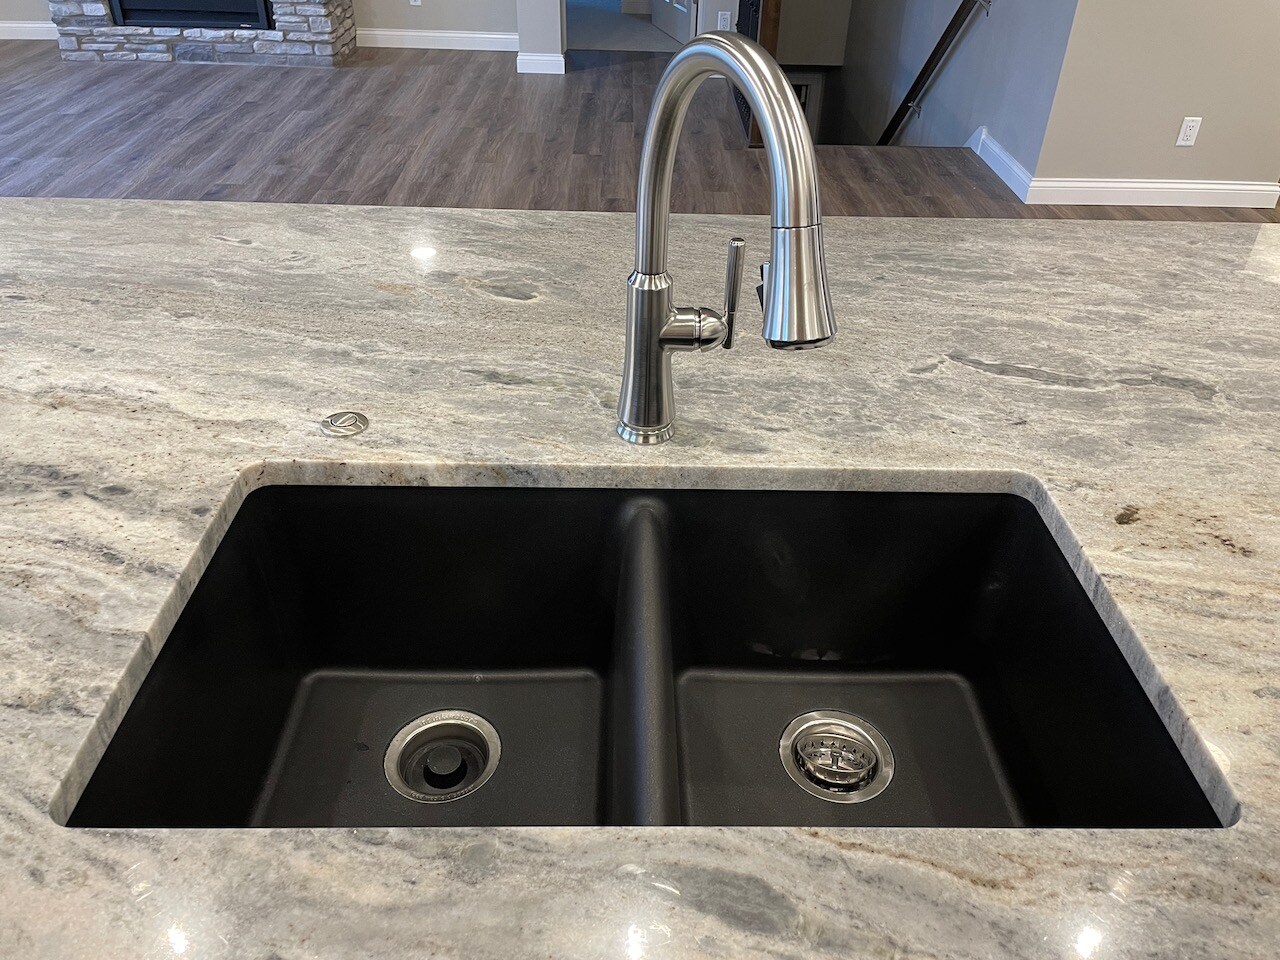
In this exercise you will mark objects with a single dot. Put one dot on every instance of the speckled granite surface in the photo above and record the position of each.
(151, 353)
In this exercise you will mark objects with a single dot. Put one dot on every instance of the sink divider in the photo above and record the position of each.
(642, 761)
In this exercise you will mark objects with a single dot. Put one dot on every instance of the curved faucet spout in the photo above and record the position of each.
(793, 171)
(797, 305)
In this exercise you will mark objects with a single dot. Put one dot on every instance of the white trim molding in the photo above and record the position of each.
(999, 159)
(1154, 193)
(641, 7)
(28, 30)
(540, 63)
(436, 39)
(1120, 193)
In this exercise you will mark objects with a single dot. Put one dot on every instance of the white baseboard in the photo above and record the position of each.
(28, 30)
(999, 159)
(1120, 193)
(540, 63)
(1154, 193)
(436, 39)
(641, 7)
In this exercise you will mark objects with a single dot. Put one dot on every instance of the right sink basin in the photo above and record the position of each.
(406, 656)
(952, 624)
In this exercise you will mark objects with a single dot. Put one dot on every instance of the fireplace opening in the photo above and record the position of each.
(228, 14)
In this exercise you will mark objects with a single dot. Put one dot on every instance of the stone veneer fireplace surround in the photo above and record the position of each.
(321, 33)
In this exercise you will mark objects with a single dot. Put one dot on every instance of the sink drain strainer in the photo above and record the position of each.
(442, 756)
(836, 756)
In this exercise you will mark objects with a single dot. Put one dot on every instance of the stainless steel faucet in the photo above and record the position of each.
(797, 306)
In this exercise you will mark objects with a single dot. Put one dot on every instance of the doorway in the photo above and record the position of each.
(602, 25)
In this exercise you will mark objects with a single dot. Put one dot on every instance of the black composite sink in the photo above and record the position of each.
(639, 655)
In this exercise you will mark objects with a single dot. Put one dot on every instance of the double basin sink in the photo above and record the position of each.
(466, 656)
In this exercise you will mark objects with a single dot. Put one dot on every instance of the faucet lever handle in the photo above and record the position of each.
(732, 284)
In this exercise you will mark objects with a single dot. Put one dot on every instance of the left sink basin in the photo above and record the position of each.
(331, 618)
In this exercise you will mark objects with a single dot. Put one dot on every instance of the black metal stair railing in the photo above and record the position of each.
(911, 102)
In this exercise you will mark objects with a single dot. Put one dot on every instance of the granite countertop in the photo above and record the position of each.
(152, 354)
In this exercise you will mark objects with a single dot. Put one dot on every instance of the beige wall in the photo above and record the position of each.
(812, 32)
(24, 10)
(1001, 74)
(1135, 68)
(482, 16)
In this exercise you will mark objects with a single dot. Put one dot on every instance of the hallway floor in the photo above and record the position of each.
(445, 128)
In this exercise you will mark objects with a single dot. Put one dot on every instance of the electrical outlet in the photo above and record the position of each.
(724, 20)
(1190, 130)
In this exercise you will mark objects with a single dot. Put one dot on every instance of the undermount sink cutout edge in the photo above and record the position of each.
(1208, 774)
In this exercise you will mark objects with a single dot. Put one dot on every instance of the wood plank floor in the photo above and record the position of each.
(439, 128)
